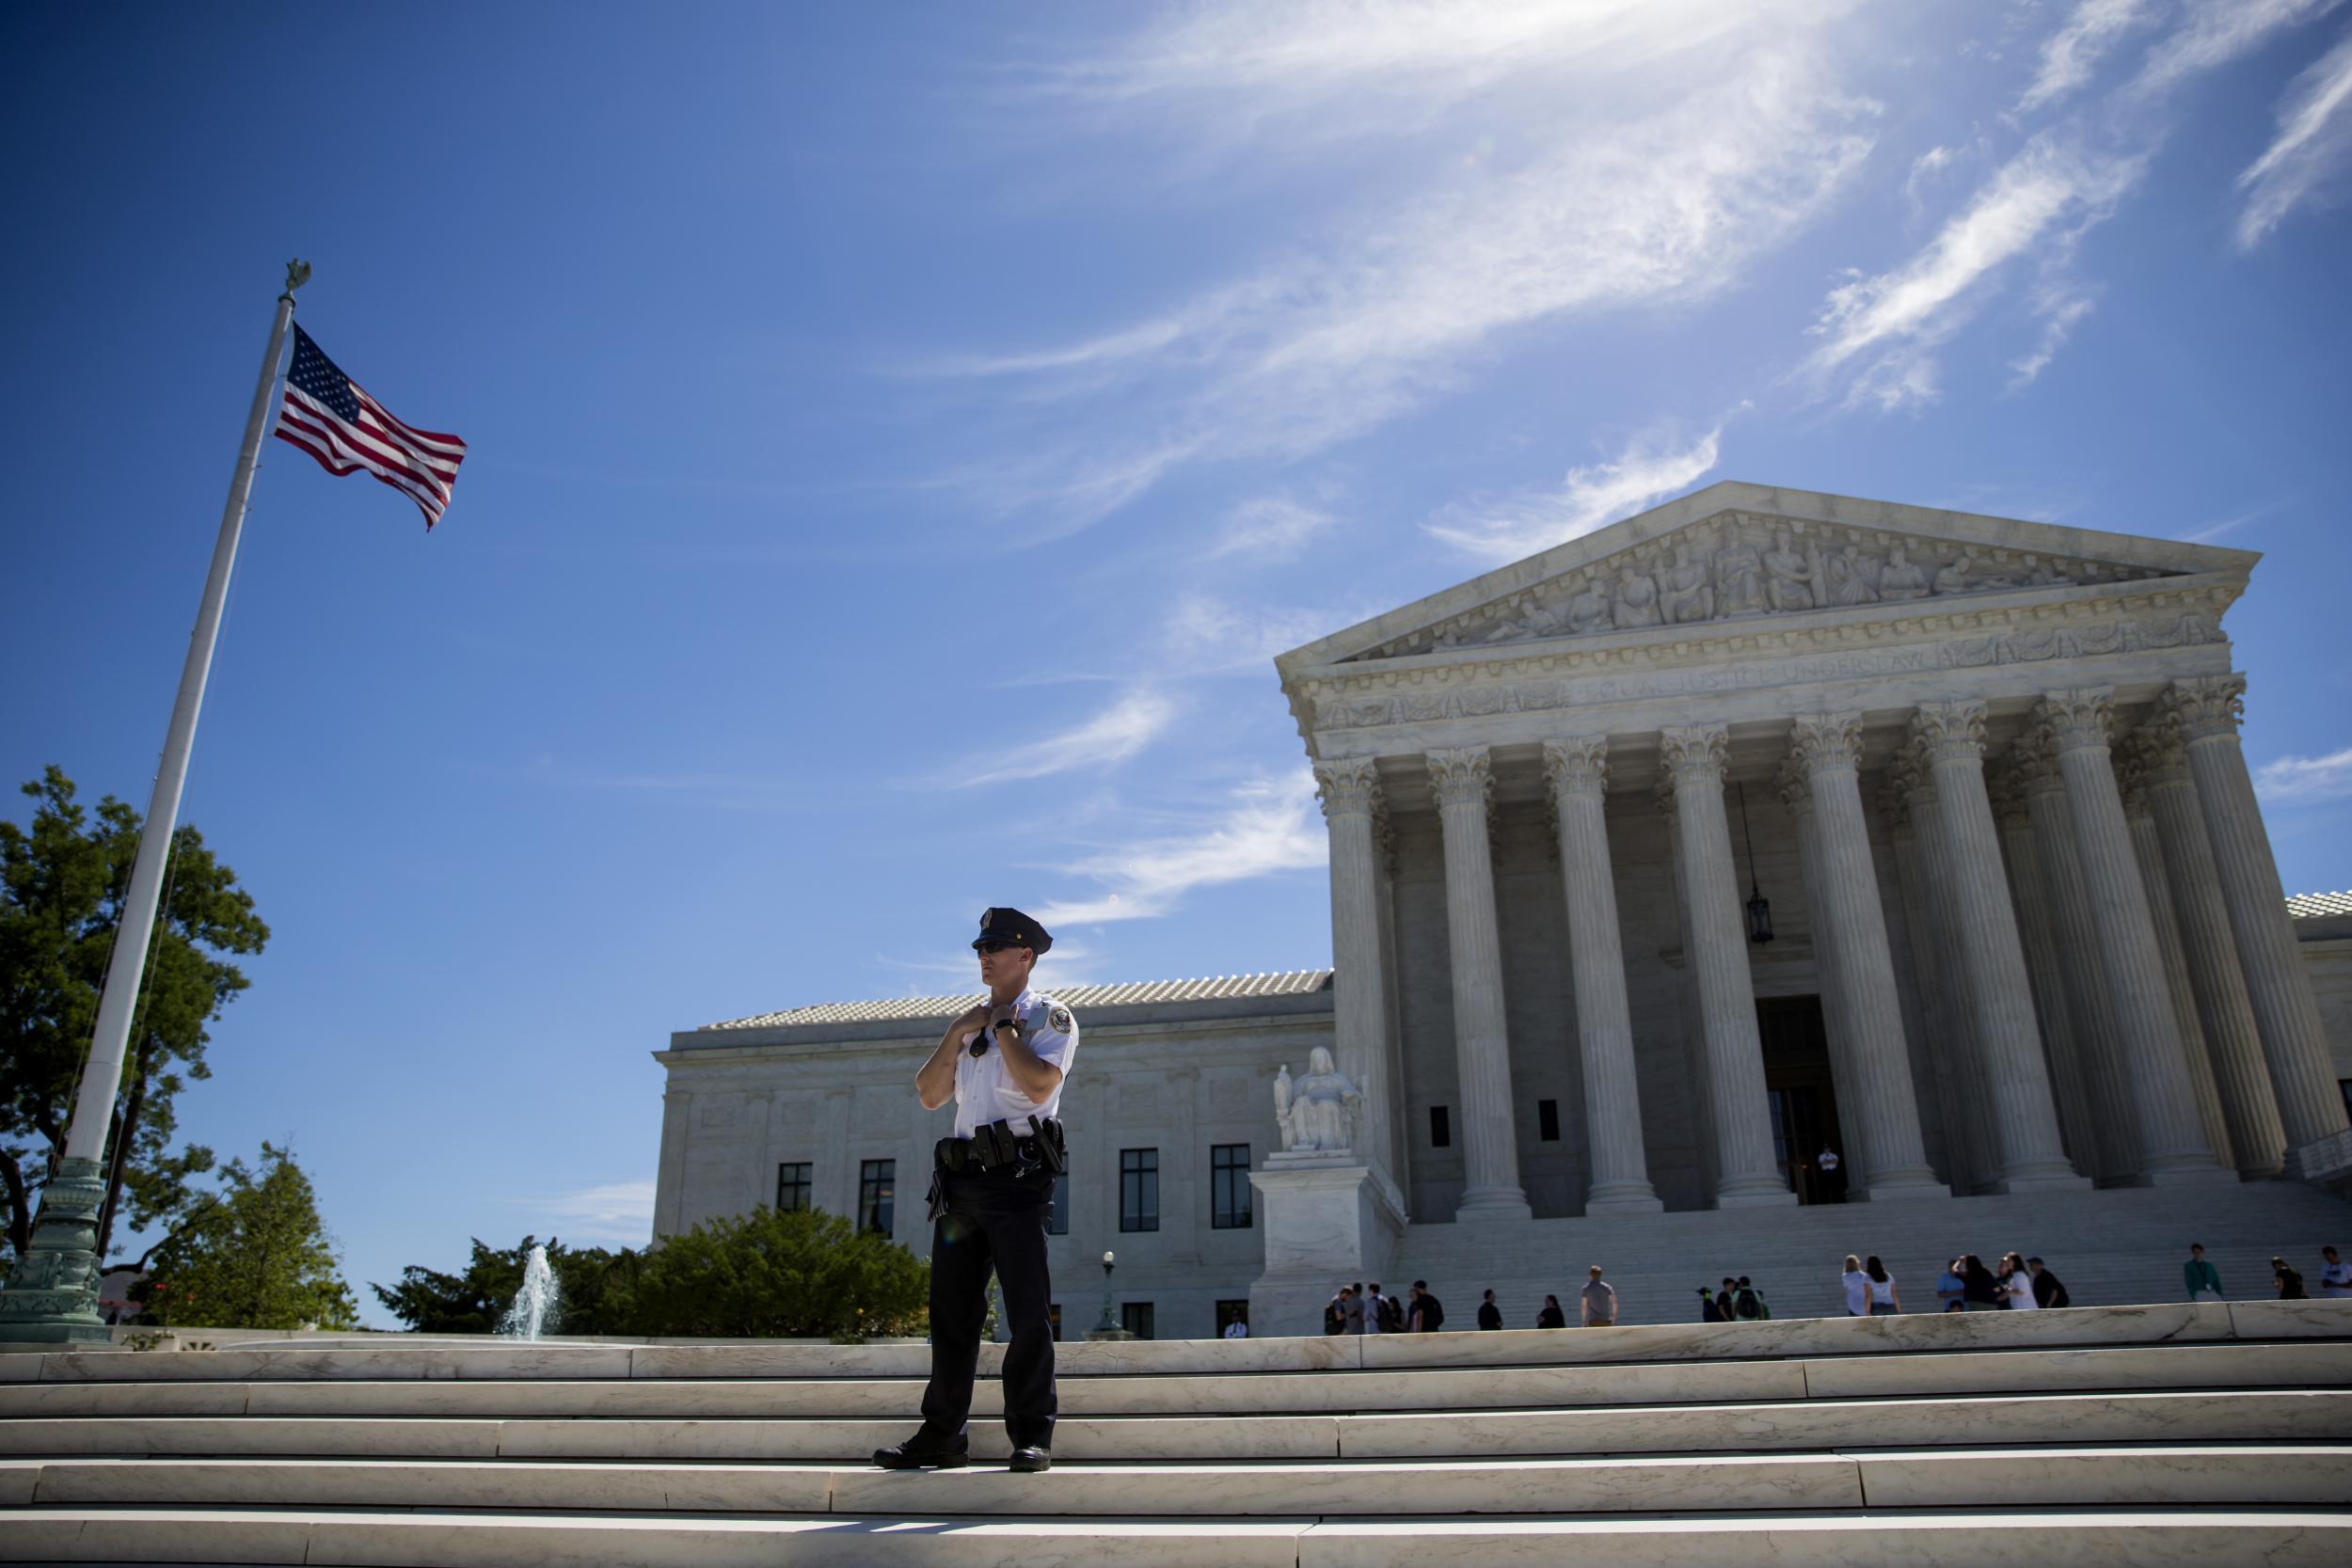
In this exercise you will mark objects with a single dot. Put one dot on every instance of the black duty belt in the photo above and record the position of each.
(996, 1146)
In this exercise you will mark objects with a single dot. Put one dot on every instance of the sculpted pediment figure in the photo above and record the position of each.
(1735, 553)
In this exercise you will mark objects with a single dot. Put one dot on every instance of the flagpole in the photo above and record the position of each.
(52, 1294)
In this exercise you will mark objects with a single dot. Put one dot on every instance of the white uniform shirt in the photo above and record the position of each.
(985, 1092)
(2335, 1280)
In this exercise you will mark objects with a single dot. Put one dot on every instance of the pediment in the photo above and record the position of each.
(1735, 553)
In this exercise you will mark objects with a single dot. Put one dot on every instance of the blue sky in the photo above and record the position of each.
(901, 439)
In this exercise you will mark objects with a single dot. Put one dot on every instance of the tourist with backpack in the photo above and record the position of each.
(1747, 1301)
(1385, 1314)
(1427, 1313)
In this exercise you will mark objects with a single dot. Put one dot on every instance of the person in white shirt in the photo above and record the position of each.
(2017, 1283)
(1886, 1301)
(1857, 1289)
(1374, 1303)
(1237, 1330)
(2335, 1274)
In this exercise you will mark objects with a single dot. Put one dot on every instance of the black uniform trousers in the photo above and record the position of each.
(994, 1221)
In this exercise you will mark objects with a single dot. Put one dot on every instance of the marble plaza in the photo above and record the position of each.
(1978, 783)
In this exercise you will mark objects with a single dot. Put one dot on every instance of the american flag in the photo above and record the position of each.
(328, 416)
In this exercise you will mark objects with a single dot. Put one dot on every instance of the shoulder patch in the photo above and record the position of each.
(1058, 1019)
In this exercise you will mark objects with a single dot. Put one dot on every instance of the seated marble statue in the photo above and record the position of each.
(1589, 609)
(1787, 577)
(1317, 1112)
(1637, 599)
(1684, 592)
(1849, 572)
(1739, 574)
(1900, 580)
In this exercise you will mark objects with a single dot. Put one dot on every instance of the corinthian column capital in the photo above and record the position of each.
(1462, 775)
(2157, 750)
(1577, 766)
(1348, 788)
(1693, 755)
(2204, 706)
(1949, 732)
(2033, 762)
(1795, 786)
(1820, 742)
(2077, 719)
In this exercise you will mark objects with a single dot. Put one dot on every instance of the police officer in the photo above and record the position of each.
(1003, 1060)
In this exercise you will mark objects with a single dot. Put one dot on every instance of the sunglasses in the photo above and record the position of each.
(988, 947)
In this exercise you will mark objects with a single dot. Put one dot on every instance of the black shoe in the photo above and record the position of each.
(1030, 1461)
(920, 1453)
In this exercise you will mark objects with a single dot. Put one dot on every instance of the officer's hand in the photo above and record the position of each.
(975, 1016)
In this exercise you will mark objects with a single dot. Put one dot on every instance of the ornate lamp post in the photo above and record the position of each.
(1107, 1326)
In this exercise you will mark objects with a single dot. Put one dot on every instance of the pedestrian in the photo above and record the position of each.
(1747, 1301)
(2289, 1281)
(1600, 1300)
(1354, 1309)
(1004, 1061)
(1551, 1317)
(1711, 1311)
(1489, 1315)
(1724, 1312)
(1980, 1291)
(1886, 1301)
(1237, 1329)
(1951, 1288)
(1833, 1172)
(2017, 1283)
(2047, 1288)
(1427, 1313)
(2335, 1274)
(2201, 1277)
(1857, 1288)
(1381, 1314)
(1335, 1312)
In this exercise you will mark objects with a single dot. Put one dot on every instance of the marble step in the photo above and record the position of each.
(2211, 1364)
(2313, 1475)
(2196, 1537)
(386, 1358)
(2303, 1415)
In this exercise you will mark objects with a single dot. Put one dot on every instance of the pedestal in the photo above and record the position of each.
(1328, 1220)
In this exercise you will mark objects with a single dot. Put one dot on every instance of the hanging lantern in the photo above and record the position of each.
(1759, 908)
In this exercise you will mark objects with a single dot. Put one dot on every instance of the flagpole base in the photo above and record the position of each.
(52, 1293)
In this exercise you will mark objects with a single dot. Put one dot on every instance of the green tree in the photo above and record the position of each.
(62, 884)
(257, 1256)
(775, 1275)
(430, 1302)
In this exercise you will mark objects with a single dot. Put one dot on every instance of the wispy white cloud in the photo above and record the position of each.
(1206, 633)
(1270, 827)
(2071, 54)
(2312, 150)
(1603, 199)
(609, 1212)
(1133, 722)
(2216, 32)
(2060, 303)
(1878, 332)
(2300, 781)
(1273, 528)
(1510, 526)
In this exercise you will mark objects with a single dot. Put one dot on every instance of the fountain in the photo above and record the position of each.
(539, 1304)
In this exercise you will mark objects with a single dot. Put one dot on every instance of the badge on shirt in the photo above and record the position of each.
(1057, 1019)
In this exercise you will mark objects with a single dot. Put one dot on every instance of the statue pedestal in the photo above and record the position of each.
(1328, 1220)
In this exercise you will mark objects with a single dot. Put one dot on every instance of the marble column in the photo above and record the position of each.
(2001, 990)
(1490, 1160)
(1829, 749)
(2114, 1154)
(1578, 772)
(2131, 776)
(2240, 1073)
(1929, 1020)
(1745, 1174)
(1350, 791)
(2037, 927)
(677, 1108)
(1914, 782)
(2172, 1147)
(1796, 794)
(2206, 713)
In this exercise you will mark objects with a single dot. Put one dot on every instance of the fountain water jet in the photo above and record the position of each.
(539, 1304)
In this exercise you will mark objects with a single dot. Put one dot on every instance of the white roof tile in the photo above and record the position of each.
(1079, 998)
(2312, 905)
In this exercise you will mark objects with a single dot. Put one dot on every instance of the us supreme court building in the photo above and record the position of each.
(1763, 823)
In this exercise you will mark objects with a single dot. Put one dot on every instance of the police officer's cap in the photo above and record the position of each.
(1014, 929)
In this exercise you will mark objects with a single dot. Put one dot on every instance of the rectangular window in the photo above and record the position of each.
(792, 1188)
(1138, 1189)
(1440, 1130)
(877, 1194)
(1547, 1121)
(1229, 1188)
(1136, 1318)
(1231, 1312)
(1057, 1222)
